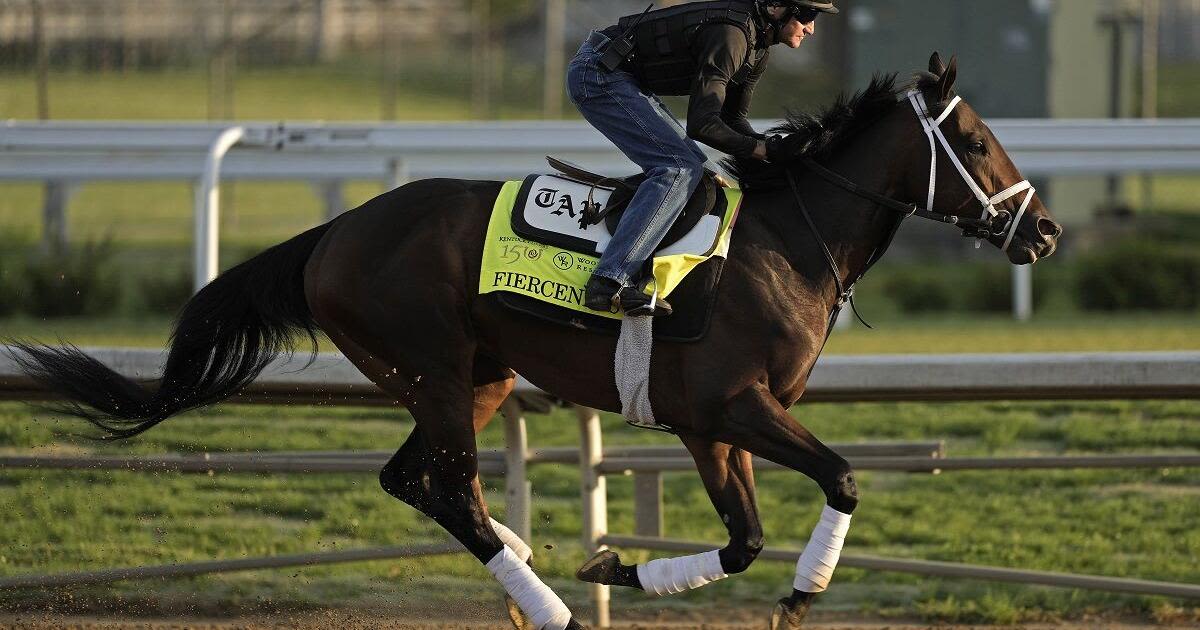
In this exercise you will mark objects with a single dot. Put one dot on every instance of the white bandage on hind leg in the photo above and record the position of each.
(545, 610)
(668, 576)
(514, 542)
(820, 556)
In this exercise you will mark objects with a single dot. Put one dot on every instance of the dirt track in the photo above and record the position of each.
(340, 620)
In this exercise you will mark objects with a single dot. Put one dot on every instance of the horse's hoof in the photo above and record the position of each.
(575, 625)
(518, 618)
(788, 615)
(601, 569)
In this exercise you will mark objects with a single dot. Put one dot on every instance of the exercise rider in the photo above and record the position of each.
(715, 52)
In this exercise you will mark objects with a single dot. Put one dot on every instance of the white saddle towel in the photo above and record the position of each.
(632, 370)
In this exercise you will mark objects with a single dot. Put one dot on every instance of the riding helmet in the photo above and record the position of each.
(821, 6)
(804, 10)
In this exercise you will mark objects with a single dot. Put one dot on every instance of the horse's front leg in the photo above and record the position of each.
(729, 481)
(757, 422)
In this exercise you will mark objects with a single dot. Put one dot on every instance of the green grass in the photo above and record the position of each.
(343, 91)
(1125, 523)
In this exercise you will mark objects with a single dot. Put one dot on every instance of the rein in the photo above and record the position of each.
(992, 223)
(972, 228)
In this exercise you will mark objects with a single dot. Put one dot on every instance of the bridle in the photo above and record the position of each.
(991, 223)
(933, 129)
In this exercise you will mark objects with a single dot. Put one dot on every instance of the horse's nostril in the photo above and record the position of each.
(1046, 227)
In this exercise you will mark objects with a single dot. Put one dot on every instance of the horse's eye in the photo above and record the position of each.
(976, 148)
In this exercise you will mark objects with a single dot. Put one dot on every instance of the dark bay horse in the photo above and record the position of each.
(394, 285)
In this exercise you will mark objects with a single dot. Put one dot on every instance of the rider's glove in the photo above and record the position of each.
(782, 149)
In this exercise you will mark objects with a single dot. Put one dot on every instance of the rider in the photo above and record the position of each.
(714, 51)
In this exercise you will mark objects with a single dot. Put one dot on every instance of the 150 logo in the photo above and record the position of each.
(513, 253)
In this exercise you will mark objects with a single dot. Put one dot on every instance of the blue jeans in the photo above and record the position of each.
(648, 134)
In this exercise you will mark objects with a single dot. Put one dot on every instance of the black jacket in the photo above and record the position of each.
(727, 62)
(720, 98)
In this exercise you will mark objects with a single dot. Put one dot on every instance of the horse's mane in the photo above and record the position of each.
(824, 132)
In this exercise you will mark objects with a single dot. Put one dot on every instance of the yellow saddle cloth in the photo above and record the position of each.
(557, 275)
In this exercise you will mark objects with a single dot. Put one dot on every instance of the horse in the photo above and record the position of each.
(394, 285)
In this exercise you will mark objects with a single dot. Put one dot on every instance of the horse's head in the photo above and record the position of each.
(972, 176)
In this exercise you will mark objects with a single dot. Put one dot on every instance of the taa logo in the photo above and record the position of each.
(561, 202)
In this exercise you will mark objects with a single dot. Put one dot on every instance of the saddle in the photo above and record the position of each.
(701, 204)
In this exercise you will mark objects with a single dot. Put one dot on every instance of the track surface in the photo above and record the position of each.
(341, 620)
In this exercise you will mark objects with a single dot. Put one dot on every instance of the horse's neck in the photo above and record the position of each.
(852, 227)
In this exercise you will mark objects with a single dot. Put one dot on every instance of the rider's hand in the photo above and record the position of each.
(760, 150)
(782, 149)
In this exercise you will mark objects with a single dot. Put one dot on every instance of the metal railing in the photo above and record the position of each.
(331, 379)
(64, 154)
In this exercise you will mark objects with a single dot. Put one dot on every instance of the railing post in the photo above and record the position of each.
(207, 208)
(398, 173)
(54, 215)
(595, 500)
(1022, 292)
(333, 194)
(517, 489)
(647, 504)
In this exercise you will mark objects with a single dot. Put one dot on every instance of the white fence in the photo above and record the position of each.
(65, 154)
(333, 380)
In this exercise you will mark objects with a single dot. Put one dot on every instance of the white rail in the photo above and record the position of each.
(68, 153)
(87, 151)
(849, 378)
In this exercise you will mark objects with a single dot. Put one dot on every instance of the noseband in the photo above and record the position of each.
(991, 223)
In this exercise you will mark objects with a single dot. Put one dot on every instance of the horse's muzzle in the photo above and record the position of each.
(1049, 231)
(1028, 248)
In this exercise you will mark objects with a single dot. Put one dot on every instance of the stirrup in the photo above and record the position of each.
(642, 305)
(653, 426)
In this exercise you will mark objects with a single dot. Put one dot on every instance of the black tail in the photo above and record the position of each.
(224, 337)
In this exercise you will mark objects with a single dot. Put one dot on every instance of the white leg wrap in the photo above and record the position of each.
(546, 611)
(514, 542)
(820, 557)
(668, 576)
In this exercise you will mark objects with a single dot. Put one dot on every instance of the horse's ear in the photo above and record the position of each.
(946, 85)
(935, 64)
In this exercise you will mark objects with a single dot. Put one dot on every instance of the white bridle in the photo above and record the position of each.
(933, 129)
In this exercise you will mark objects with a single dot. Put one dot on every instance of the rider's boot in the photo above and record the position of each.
(600, 294)
(605, 294)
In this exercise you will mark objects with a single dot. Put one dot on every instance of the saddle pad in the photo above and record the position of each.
(556, 275)
(548, 210)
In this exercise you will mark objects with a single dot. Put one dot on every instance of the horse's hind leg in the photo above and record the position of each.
(432, 370)
(757, 422)
(729, 480)
(406, 476)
